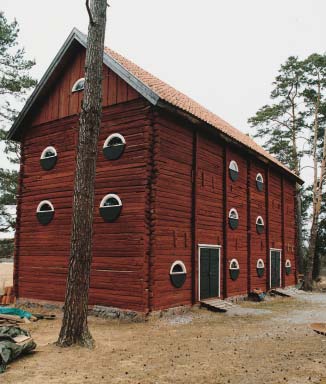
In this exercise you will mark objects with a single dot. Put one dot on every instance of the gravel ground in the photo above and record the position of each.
(270, 344)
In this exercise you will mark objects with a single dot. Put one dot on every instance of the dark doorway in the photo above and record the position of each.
(209, 272)
(275, 271)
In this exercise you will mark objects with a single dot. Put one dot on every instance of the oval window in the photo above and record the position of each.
(48, 158)
(233, 218)
(178, 274)
(79, 85)
(114, 146)
(288, 266)
(233, 170)
(110, 207)
(260, 267)
(45, 212)
(234, 269)
(260, 182)
(259, 225)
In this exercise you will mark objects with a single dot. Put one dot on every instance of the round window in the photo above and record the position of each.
(233, 170)
(233, 218)
(48, 158)
(178, 274)
(259, 225)
(45, 212)
(110, 207)
(288, 266)
(79, 85)
(114, 146)
(260, 267)
(260, 182)
(234, 269)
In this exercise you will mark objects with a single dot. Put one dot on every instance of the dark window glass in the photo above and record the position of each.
(45, 207)
(111, 201)
(177, 268)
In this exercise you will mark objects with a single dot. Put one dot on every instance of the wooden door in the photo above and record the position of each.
(209, 272)
(275, 265)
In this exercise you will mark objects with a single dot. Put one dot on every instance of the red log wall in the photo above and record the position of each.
(257, 241)
(176, 194)
(119, 274)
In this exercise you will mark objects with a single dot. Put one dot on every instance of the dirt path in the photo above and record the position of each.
(273, 346)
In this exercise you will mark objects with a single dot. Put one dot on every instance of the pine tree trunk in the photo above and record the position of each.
(74, 328)
(308, 279)
(317, 261)
(298, 215)
(317, 197)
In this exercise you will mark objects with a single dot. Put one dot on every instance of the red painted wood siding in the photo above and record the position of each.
(43, 250)
(275, 211)
(236, 196)
(258, 241)
(209, 198)
(119, 276)
(61, 102)
(173, 208)
(119, 273)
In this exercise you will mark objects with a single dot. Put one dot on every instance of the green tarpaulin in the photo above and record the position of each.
(9, 349)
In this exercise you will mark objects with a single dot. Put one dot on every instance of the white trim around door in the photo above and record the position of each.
(214, 246)
(270, 265)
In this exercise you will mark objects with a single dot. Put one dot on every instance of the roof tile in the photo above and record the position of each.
(185, 103)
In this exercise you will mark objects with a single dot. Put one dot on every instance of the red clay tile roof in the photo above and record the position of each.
(185, 103)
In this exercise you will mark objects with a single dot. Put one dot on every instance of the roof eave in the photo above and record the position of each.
(195, 120)
(78, 36)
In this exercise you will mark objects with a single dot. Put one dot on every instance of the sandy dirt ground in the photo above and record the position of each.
(6, 271)
(258, 343)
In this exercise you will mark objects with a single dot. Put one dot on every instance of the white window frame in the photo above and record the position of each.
(288, 263)
(262, 223)
(260, 175)
(236, 212)
(181, 263)
(234, 268)
(112, 136)
(215, 246)
(73, 89)
(260, 261)
(108, 196)
(49, 148)
(38, 209)
(234, 166)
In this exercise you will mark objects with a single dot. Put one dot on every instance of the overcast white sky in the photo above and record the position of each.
(224, 54)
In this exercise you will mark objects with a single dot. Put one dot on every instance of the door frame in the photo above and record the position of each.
(270, 265)
(215, 246)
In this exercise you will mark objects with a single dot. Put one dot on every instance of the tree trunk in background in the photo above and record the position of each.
(317, 196)
(74, 328)
(298, 215)
(308, 279)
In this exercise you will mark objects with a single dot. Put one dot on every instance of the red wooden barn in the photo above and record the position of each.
(186, 208)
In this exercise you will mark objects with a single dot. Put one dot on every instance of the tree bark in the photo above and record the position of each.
(298, 215)
(298, 203)
(317, 197)
(74, 329)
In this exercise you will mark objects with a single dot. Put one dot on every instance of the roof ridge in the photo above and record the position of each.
(162, 88)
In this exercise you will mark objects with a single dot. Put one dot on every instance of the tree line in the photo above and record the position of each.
(292, 128)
